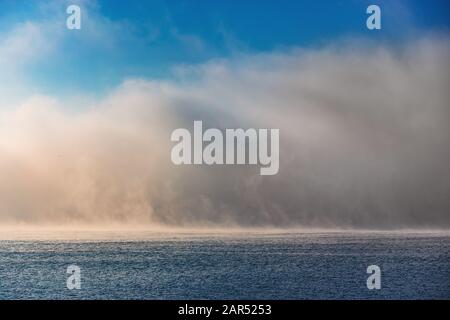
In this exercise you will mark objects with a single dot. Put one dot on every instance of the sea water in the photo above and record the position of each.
(228, 266)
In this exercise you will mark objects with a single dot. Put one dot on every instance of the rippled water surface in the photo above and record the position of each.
(235, 266)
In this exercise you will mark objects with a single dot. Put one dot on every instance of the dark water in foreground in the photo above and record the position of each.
(263, 266)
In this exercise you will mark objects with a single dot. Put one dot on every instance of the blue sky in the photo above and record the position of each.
(123, 39)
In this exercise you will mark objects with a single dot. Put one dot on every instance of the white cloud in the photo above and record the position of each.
(364, 143)
(23, 45)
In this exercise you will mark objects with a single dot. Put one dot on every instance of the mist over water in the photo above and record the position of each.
(364, 143)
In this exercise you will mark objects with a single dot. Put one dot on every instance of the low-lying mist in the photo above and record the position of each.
(364, 143)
